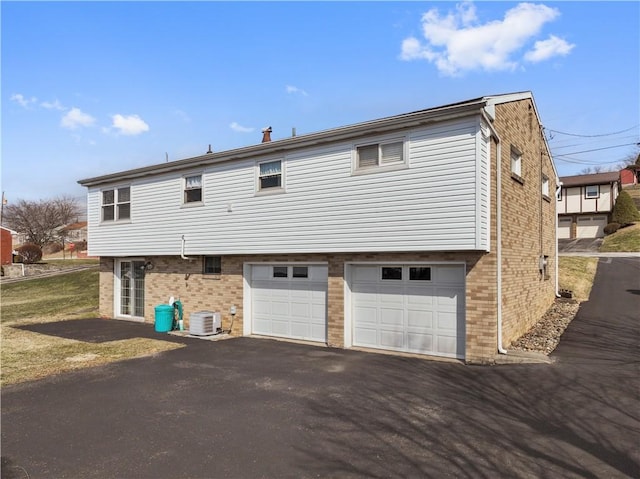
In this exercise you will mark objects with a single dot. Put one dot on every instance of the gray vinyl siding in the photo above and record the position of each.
(437, 203)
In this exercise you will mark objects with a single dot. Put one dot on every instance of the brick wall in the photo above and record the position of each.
(528, 221)
(6, 247)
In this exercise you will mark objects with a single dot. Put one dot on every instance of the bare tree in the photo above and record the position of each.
(41, 220)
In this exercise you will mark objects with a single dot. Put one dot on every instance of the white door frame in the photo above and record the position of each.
(117, 295)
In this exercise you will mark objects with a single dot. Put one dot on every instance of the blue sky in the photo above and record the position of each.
(94, 88)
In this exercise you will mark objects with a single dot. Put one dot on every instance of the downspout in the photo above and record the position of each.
(558, 192)
(182, 250)
(496, 137)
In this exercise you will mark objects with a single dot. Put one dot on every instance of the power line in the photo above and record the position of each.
(597, 149)
(591, 136)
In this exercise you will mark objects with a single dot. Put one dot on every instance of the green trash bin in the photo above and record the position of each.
(164, 318)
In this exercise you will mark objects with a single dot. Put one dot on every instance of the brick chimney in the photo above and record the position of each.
(266, 134)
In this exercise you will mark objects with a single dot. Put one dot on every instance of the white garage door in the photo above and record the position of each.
(564, 228)
(410, 308)
(289, 301)
(591, 226)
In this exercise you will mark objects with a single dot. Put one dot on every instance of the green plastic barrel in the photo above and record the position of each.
(164, 318)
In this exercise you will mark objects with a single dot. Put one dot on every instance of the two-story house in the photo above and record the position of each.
(429, 232)
(585, 203)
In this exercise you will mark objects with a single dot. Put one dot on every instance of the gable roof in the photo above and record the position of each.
(591, 179)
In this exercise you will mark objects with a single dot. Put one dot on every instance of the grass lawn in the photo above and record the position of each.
(576, 273)
(624, 240)
(26, 355)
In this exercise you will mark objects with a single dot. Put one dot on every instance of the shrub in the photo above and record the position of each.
(52, 248)
(625, 211)
(80, 245)
(31, 253)
(611, 228)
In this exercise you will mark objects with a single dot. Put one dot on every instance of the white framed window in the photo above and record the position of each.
(545, 186)
(270, 175)
(592, 191)
(380, 155)
(193, 189)
(516, 162)
(116, 204)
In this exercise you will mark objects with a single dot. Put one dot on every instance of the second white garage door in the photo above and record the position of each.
(410, 308)
(591, 226)
(289, 301)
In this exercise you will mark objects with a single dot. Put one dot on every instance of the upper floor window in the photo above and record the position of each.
(116, 204)
(380, 154)
(516, 163)
(270, 175)
(545, 186)
(193, 189)
(559, 194)
(592, 191)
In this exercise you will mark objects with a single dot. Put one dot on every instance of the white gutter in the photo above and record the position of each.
(558, 191)
(495, 135)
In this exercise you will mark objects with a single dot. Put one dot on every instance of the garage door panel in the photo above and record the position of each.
(423, 315)
(420, 319)
(366, 337)
(419, 342)
(391, 317)
(392, 339)
(289, 307)
(591, 226)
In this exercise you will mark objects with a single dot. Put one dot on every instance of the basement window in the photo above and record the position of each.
(212, 265)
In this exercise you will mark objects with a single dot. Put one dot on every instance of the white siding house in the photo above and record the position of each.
(384, 234)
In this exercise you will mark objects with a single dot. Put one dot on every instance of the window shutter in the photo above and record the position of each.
(368, 156)
(391, 154)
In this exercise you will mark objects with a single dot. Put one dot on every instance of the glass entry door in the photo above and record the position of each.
(130, 274)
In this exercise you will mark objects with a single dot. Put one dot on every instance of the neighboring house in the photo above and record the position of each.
(404, 233)
(75, 232)
(629, 176)
(585, 203)
(6, 245)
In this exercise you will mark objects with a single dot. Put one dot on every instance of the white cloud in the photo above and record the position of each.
(458, 42)
(54, 105)
(182, 115)
(294, 89)
(239, 128)
(545, 49)
(21, 100)
(75, 118)
(129, 125)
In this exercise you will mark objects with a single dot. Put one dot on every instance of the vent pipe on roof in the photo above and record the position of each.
(266, 134)
(293, 131)
(209, 151)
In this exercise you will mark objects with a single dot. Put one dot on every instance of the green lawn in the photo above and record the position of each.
(27, 355)
(624, 240)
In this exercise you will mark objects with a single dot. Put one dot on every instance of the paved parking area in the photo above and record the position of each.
(252, 408)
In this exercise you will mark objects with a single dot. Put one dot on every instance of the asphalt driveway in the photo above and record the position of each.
(251, 408)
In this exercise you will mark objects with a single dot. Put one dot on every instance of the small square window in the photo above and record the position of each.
(392, 273)
(116, 204)
(300, 272)
(592, 191)
(280, 272)
(212, 265)
(193, 189)
(270, 175)
(420, 273)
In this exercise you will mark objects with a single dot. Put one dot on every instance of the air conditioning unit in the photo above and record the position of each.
(204, 323)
